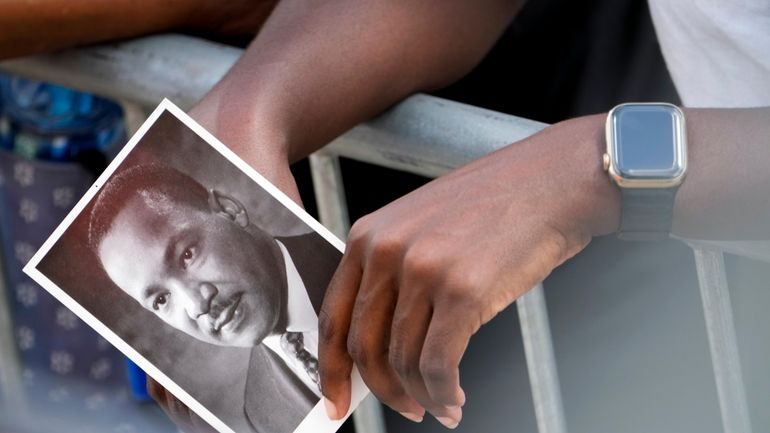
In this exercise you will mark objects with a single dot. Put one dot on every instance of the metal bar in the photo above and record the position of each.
(430, 136)
(143, 71)
(330, 193)
(722, 340)
(333, 213)
(423, 134)
(541, 364)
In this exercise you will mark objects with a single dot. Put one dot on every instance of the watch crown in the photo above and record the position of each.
(606, 162)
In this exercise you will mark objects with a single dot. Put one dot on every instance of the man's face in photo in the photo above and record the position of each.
(199, 270)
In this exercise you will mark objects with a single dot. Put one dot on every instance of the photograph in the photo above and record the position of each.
(204, 274)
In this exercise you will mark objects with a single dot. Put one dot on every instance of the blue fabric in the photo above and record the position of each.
(64, 360)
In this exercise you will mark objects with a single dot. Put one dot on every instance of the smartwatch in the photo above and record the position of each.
(647, 158)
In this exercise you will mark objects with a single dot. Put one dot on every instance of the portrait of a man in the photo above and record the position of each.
(207, 275)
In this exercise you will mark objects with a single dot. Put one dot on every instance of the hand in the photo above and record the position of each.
(421, 275)
(179, 414)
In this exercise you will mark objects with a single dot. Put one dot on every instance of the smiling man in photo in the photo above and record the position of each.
(191, 256)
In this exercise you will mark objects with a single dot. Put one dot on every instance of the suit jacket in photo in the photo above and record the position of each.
(276, 400)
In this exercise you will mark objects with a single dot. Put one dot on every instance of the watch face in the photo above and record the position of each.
(647, 142)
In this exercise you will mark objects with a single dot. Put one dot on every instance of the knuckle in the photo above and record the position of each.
(327, 327)
(359, 229)
(397, 361)
(385, 248)
(435, 367)
(357, 351)
(463, 298)
(397, 353)
(464, 290)
(422, 263)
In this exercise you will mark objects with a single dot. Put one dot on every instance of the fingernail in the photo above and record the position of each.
(331, 410)
(447, 422)
(412, 417)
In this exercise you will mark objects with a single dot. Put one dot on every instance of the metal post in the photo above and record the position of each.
(541, 363)
(333, 212)
(330, 193)
(722, 340)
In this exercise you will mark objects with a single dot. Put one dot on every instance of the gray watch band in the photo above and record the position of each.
(646, 213)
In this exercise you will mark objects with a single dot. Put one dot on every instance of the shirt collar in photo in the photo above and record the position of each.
(300, 314)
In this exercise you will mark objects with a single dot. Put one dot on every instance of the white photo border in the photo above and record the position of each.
(316, 421)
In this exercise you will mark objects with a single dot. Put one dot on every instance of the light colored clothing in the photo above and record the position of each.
(301, 317)
(717, 51)
(718, 54)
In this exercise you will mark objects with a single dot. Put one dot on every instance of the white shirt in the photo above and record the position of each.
(717, 51)
(301, 317)
(718, 54)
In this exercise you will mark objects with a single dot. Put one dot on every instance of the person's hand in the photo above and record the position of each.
(421, 275)
(180, 415)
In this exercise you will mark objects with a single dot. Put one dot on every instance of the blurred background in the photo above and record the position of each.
(53, 142)
(627, 320)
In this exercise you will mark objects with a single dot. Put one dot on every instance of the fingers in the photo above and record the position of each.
(445, 344)
(411, 324)
(368, 345)
(335, 365)
(174, 409)
(199, 425)
(179, 414)
(154, 389)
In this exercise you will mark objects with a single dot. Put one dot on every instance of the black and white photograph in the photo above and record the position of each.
(204, 274)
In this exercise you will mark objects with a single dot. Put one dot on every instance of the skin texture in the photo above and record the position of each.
(475, 239)
(471, 243)
(294, 91)
(37, 26)
(410, 292)
(199, 271)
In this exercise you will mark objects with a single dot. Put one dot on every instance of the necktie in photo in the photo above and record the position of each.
(293, 343)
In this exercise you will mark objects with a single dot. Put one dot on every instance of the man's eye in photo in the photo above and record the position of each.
(187, 256)
(159, 301)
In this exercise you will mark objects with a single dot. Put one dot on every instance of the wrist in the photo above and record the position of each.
(598, 197)
(243, 128)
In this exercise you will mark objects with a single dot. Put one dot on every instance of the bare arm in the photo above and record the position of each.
(319, 67)
(30, 27)
(410, 292)
(725, 195)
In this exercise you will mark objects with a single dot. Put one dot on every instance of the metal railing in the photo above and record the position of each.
(422, 135)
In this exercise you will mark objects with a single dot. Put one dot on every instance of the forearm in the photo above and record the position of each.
(319, 67)
(30, 27)
(726, 195)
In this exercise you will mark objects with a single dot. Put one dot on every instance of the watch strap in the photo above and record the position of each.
(646, 214)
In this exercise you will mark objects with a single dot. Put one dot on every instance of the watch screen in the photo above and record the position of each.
(646, 140)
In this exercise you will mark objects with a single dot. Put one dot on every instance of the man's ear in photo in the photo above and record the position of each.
(228, 207)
